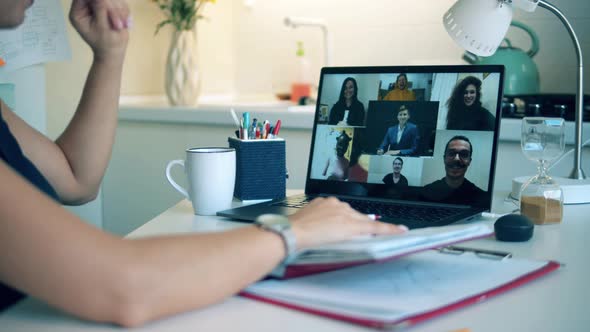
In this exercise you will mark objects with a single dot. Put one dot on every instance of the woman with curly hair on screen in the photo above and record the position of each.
(465, 109)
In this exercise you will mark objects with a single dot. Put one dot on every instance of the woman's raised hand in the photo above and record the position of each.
(103, 24)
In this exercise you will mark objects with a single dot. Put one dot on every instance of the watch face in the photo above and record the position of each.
(273, 220)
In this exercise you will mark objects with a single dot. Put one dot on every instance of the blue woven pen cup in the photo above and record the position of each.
(260, 168)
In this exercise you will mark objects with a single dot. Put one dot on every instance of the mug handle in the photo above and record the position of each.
(169, 176)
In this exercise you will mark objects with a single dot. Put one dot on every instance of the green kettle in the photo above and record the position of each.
(521, 76)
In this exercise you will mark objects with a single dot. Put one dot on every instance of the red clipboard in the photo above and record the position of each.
(478, 297)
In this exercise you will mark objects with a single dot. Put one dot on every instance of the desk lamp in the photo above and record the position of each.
(479, 26)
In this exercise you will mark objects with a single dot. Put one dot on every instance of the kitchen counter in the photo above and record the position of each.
(215, 111)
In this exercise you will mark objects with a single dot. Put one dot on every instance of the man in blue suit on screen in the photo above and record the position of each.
(400, 140)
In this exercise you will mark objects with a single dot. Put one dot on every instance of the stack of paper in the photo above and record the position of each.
(370, 249)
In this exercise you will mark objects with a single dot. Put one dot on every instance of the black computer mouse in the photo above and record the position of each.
(513, 228)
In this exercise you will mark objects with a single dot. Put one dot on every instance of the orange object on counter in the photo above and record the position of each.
(299, 90)
(2, 62)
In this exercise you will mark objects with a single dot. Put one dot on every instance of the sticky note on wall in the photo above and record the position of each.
(7, 94)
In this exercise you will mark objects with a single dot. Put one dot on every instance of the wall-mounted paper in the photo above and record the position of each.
(41, 38)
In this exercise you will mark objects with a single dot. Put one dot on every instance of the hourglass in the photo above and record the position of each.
(541, 198)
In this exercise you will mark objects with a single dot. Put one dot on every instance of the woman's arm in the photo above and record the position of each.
(47, 252)
(76, 162)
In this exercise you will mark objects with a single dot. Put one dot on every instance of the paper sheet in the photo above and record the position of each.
(41, 38)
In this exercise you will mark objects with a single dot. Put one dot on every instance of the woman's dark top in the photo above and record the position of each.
(471, 118)
(12, 155)
(356, 113)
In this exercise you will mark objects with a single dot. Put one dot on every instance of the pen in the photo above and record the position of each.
(252, 131)
(266, 128)
(374, 216)
(263, 130)
(484, 253)
(235, 117)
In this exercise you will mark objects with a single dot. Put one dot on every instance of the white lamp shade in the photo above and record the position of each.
(479, 26)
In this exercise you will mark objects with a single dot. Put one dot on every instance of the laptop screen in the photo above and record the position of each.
(417, 133)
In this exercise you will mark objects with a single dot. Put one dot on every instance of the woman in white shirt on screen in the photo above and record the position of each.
(51, 254)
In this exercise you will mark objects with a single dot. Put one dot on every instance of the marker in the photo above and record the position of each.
(276, 129)
(246, 116)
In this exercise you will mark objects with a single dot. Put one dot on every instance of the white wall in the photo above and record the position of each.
(249, 50)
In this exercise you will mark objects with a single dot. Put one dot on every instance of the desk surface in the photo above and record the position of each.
(556, 302)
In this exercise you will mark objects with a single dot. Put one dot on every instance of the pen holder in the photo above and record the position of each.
(260, 168)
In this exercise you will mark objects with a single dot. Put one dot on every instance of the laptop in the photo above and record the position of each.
(415, 145)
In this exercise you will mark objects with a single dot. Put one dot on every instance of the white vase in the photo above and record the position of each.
(183, 78)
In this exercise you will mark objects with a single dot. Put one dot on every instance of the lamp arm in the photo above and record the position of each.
(577, 172)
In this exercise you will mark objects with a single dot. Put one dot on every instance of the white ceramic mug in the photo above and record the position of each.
(211, 174)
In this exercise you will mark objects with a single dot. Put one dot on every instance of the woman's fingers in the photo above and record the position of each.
(327, 220)
(118, 13)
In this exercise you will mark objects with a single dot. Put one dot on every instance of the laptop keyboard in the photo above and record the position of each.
(384, 209)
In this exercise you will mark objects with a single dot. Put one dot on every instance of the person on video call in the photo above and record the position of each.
(348, 110)
(400, 90)
(465, 111)
(401, 139)
(49, 253)
(396, 179)
(454, 188)
(337, 165)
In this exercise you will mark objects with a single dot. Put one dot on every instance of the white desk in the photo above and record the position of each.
(556, 302)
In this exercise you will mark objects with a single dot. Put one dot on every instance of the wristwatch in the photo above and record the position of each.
(280, 225)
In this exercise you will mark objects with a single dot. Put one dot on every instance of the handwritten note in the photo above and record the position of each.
(41, 38)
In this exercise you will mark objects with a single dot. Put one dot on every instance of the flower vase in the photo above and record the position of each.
(183, 78)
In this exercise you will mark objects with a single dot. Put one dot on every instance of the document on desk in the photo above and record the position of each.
(400, 292)
(371, 249)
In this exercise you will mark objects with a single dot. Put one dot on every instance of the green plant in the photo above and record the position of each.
(182, 14)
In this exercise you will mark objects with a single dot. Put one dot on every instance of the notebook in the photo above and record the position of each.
(415, 145)
(403, 292)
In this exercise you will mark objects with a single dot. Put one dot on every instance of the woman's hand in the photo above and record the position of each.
(327, 220)
(103, 25)
(393, 152)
